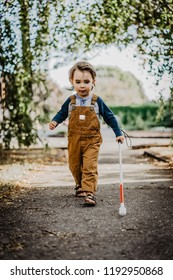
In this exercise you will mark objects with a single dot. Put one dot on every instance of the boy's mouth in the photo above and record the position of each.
(83, 92)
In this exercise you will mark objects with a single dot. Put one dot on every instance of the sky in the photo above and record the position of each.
(125, 61)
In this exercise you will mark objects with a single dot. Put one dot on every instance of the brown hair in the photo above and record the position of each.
(82, 66)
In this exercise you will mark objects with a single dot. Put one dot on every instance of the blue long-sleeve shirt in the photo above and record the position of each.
(100, 108)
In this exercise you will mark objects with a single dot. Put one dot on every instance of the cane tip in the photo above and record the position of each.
(122, 211)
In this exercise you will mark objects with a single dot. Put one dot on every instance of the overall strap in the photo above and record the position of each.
(94, 99)
(73, 101)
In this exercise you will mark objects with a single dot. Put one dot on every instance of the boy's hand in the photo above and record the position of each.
(52, 125)
(120, 138)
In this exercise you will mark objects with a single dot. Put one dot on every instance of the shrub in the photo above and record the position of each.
(139, 116)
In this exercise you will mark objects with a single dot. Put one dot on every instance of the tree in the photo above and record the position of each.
(25, 47)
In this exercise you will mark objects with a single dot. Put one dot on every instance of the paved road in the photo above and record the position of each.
(46, 221)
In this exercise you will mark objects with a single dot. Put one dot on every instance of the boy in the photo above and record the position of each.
(84, 137)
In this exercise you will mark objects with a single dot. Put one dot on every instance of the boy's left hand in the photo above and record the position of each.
(120, 138)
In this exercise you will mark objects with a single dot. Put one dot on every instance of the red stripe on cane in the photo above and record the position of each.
(121, 194)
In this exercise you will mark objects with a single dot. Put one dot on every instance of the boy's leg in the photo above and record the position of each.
(90, 164)
(75, 159)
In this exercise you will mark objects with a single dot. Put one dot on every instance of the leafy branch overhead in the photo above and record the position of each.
(147, 23)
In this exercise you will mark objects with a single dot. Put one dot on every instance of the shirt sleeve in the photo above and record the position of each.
(109, 117)
(62, 114)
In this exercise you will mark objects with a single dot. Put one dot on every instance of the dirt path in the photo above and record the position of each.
(46, 220)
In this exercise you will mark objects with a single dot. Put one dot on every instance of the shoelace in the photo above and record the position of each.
(128, 139)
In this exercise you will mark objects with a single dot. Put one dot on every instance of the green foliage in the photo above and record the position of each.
(17, 121)
(140, 116)
(24, 52)
(147, 23)
(165, 112)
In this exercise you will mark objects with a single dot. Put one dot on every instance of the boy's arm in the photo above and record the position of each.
(110, 119)
(61, 115)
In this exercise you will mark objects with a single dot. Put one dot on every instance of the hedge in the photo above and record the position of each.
(139, 116)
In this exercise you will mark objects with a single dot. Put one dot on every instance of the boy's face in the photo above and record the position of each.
(82, 82)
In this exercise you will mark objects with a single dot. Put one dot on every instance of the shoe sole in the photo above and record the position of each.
(90, 202)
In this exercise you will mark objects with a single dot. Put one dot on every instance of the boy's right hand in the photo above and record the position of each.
(52, 125)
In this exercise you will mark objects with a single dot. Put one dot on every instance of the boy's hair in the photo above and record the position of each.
(82, 66)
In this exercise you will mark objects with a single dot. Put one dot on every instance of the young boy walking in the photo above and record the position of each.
(84, 138)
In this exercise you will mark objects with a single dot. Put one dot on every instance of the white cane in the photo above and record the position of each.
(122, 209)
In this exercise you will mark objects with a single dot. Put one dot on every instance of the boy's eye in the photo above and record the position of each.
(78, 82)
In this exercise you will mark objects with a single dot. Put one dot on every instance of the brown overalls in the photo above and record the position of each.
(84, 140)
